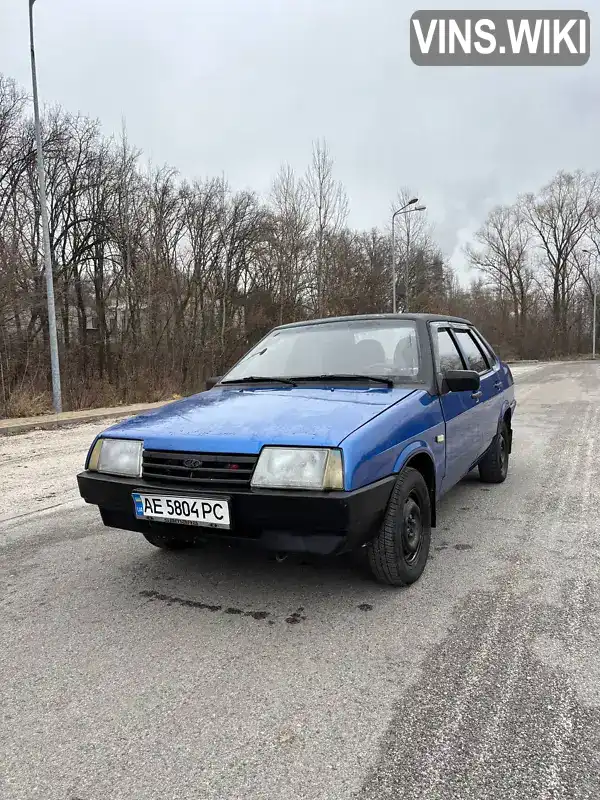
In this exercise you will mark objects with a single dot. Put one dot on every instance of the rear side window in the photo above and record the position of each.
(491, 356)
(448, 354)
(476, 359)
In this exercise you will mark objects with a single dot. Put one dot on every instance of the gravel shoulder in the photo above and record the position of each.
(39, 468)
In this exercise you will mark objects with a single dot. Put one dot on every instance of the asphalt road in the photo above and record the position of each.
(132, 674)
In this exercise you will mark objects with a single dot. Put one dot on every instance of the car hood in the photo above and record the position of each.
(242, 420)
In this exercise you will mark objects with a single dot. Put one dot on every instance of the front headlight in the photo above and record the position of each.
(117, 457)
(299, 468)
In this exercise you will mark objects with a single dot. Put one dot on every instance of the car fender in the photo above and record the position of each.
(507, 405)
(420, 446)
(413, 449)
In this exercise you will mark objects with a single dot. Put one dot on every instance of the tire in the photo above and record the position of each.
(398, 554)
(493, 467)
(167, 542)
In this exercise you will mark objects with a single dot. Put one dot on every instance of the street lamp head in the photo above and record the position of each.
(410, 203)
(421, 208)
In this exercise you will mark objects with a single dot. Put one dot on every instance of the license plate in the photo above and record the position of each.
(204, 511)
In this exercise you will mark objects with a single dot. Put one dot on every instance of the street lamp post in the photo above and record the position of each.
(404, 210)
(56, 392)
(595, 294)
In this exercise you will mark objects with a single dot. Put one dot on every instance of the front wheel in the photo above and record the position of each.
(493, 467)
(167, 542)
(398, 554)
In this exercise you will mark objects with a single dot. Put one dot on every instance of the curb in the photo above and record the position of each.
(10, 427)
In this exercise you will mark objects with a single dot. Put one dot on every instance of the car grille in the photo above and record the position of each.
(200, 470)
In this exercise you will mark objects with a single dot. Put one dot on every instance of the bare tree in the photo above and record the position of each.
(290, 203)
(503, 257)
(15, 149)
(560, 216)
(329, 209)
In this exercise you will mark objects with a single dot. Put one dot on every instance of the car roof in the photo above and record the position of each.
(355, 317)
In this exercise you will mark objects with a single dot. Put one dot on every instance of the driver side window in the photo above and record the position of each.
(448, 355)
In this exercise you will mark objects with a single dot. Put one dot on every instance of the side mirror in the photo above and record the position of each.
(210, 382)
(462, 380)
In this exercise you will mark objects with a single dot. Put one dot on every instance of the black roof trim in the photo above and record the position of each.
(356, 317)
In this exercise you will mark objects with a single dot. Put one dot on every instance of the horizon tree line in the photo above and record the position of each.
(162, 281)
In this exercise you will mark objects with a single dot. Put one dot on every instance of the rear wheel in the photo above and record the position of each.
(398, 554)
(167, 542)
(493, 467)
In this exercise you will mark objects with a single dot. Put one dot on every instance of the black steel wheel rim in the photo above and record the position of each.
(412, 529)
(503, 454)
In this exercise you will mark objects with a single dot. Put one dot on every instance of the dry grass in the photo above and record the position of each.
(31, 401)
(27, 403)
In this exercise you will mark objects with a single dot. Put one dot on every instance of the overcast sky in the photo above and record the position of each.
(239, 86)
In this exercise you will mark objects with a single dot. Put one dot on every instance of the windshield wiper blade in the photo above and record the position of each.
(353, 378)
(259, 379)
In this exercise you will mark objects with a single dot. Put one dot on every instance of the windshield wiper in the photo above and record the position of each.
(259, 379)
(353, 378)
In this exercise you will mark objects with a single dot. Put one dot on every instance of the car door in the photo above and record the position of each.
(490, 402)
(458, 408)
(494, 385)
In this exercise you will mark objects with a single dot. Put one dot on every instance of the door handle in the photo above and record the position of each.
(477, 395)
(498, 385)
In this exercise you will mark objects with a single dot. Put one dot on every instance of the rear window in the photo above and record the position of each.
(487, 349)
(476, 359)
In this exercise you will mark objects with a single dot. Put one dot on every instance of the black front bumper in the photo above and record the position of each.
(292, 522)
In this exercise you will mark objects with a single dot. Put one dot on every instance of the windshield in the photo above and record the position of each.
(387, 348)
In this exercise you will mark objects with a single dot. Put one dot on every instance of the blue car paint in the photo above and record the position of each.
(242, 420)
(459, 410)
(383, 447)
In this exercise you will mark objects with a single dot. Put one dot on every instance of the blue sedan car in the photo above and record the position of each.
(328, 436)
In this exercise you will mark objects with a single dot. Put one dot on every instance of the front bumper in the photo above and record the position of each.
(285, 521)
